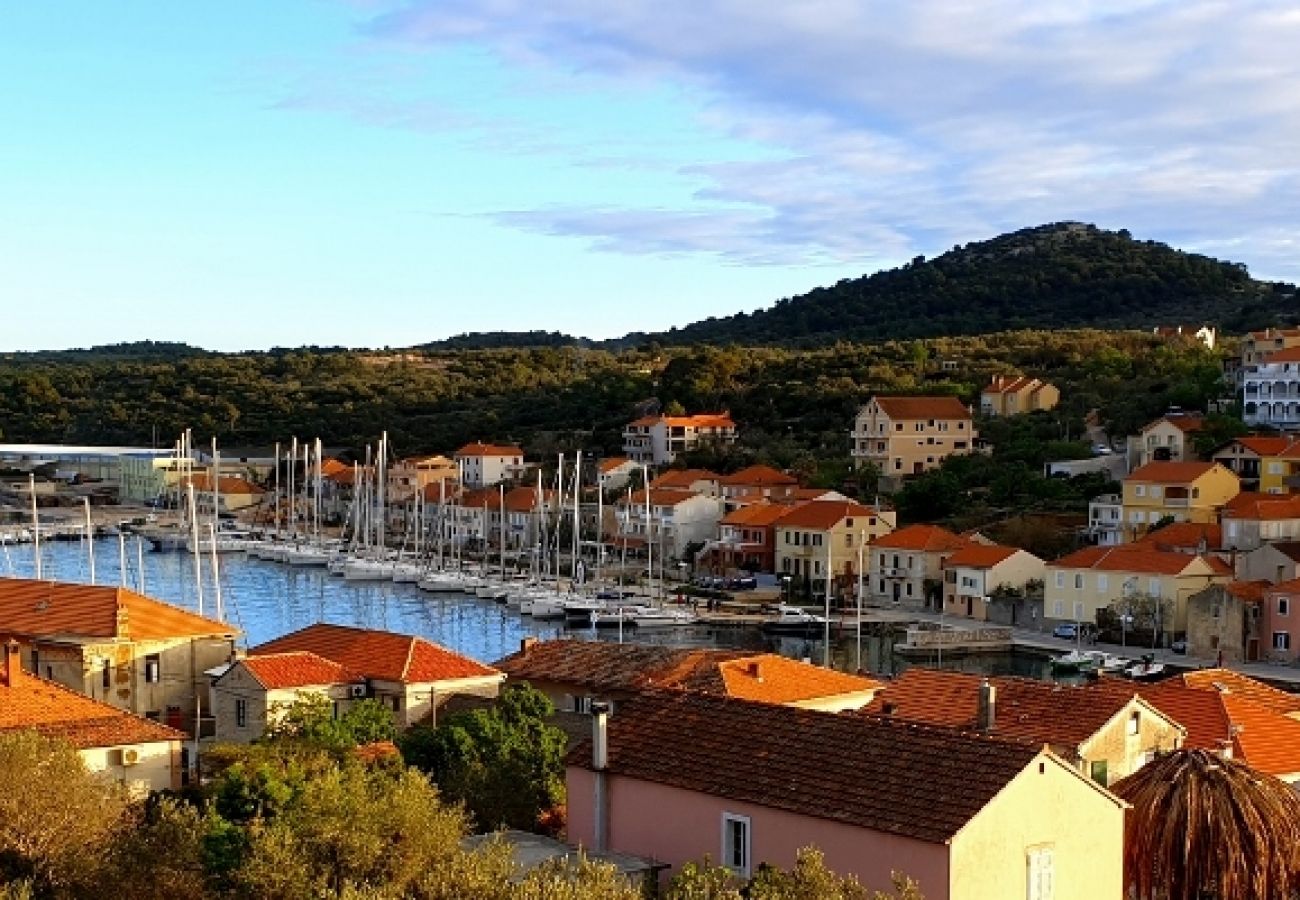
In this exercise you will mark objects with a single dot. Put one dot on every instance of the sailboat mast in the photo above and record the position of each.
(293, 496)
(577, 512)
(216, 573)
(276, 501)
(36, 522)
(90, 540)
(194, 542)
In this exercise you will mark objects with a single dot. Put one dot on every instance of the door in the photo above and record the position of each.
(970, 607)
(898, 589)
(1252, 650)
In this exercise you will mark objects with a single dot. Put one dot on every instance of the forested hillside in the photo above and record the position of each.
(1055, 276)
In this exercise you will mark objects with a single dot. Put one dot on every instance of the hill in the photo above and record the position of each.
(1066, 275)
(490, 340)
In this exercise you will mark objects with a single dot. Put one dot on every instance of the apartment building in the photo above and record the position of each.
(1181, 491)
(657, 440)
(482, 465)
(1248, 458)
(907, 566)
(1167, 439)
(1011, 395)
(904, 436)
(1270, 390)
(828, 535)
(973, 573)
(676, 519)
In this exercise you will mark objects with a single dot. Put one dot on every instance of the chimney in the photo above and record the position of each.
(1225, 749)
(888, 708)
(527, 644)
(13, 662)
(755, 671)
(599, 765)
(987, 706)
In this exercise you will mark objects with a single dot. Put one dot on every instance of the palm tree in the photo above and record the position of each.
(1203, 827)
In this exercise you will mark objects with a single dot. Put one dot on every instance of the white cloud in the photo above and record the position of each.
(903, 127)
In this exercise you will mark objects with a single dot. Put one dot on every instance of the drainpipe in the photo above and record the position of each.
(599, 766)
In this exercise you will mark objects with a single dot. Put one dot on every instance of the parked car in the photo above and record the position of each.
(1101, 449)
(1178, 646)
(1068, 631)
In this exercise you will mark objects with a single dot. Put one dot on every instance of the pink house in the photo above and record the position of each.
(677, 777)
(1279, 624)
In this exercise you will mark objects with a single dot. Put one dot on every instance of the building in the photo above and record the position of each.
(234, 494)
(832, 536)
(409, 477)
(573, 674)
(1274, 562)
(1104, 729)
(972, 574)
(1270, 389)
(409, 675)
(252, 694)
(965, 815)
(904, 436)
(615, 472)
(1167, 439)
(1250, 520)
(657, 440)
(1279, 622)
(1011, 395)
(1195, 538)
(1176, 491)
(1223, 621)
(143, 755)
(147, 475)
(697, 481)
(747, 540)
(1245, 457)
(1106, 520)
(1205, 335)
(1256, 346)
(757, 484)
(71, 461)
(111, 644)
(482, 465)
(907, 566)
(672, 520)
(1094, 578)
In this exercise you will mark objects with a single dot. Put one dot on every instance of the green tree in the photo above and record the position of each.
(505, 763)
(310, 718)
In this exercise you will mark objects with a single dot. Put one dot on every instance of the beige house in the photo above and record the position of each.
(657, 440)
(828, 536)
(143, 755)
(410, 675)
(904, 436)
(968, 816)
(1223, 621)
(412, 475)
(973, 573)
(482, 465)
(1095, 577)
(697, 481)
(1274, 562)
(1011, 395)
(1247, 457)
(757, 484)
(234, 493)
(1105, 729)
(615, 472)
(122, 648)
(672, 520)
(1167, 439)
(1179, 491)
(907, 566)
(251, 695)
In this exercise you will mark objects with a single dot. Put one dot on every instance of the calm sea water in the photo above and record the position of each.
(266, 599)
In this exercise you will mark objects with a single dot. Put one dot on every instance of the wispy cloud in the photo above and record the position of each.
(903, 127)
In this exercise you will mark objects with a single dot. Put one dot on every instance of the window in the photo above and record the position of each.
(1103, 583)
(36, 661)
(1078, 581)
(152, 669)
(909, 589)
(1134, 723)
(241, 713)
(1058, 609)
(397, 703)
(1283, 606)
(848, 540)
(1281, 640)
(1041, 874)
(1060, 579)
(106, 676)
(1155, 490)
(1153, 587)
(1140, 490)
(882, 585)
(1078, 610)
(1099, 772)
(735, 843)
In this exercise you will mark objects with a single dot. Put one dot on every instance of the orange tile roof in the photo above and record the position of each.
(1011, 384)
(920, 782)
(606, 666)
(660, 497)
(441, 490)
(758, 476)
(1043, 712)
(226, 484)
(1226, 681)
(1184, 534)
(807, 493)
(611, 463)
(922, 407)
(756, 514)
(1263, 507)
(1270, 333)
(1137, 558)
(525, 499)
(702, 420)
(1170, 472)
(56, 609)
(825, 514)
(980, 556)
(481, 449)
(333, 466)
(772, 678)
(1289, 355)
(382, 655)
(1249, 591)
(351, 474)
(682, 478)
(279, 671)
(1263, 444)
(923, 538)
(31, 703)
(1185, 422)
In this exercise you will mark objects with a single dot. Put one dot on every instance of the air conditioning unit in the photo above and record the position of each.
(130, 756)
(358, 691)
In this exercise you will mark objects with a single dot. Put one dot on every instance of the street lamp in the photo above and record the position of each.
(785, 590)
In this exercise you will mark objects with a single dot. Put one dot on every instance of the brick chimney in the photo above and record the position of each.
(755, 670)
(527, 644)
(13, 663)
(988, 704)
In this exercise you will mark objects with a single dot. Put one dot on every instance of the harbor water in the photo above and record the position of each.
(266, 599)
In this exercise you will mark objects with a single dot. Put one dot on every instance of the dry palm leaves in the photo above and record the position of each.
(1203, 826)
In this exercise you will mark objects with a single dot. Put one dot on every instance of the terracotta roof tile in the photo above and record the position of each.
(1138, 558)
(30, 608)
(925, 538)
(922, 407)
(889, 776)
(682, 478)
(1011, 384)
(382, 655)
(756, 514)
(1177, 535)
(772, 678)
(980, 556)
(480, 449)
(1185, 422)
(31, 703)
(1170, 472)
(610, 463)
(279, 671)
(1249, 591)
(604, 666)
(758, 476)
(1263, 444)
(1255, 506)
(227, 484)
(1226, 681)
(824, 514)
(1290, 354)
(661, 497)
(701, 420)
(1040, 711)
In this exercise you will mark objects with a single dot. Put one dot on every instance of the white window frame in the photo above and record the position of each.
(1103, 583)
(1040, 873)
(1281, 640)
(728, 855)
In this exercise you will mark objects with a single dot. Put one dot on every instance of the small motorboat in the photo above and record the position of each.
(1107, 662)
(794, 620)
(1146, 670)
(1074, 661)
(663, 618)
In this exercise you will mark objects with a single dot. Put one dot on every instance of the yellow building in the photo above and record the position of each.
(1011, 395)
(410, 476)
(909, 435)
(838, 531)
(1094, 578)
(1181, 491)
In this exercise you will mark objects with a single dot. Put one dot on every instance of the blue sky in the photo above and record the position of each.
(370, 173)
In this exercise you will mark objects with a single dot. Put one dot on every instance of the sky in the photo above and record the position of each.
(371, 173)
